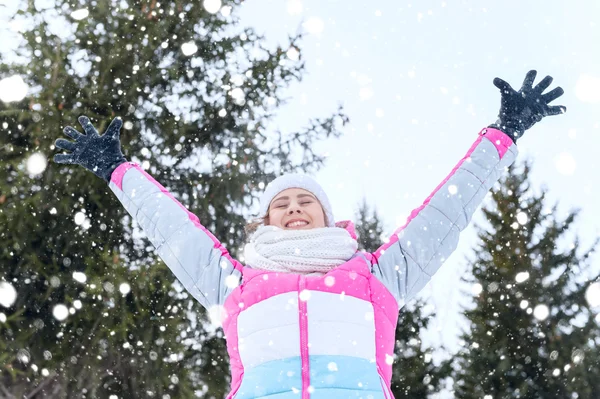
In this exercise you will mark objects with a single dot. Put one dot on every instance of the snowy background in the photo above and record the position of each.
(415, 78)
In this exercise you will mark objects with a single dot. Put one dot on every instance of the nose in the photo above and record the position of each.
(294, 209)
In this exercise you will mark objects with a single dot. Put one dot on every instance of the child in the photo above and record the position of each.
(308, 316)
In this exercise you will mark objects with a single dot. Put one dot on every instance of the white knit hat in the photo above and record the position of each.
(296, 180)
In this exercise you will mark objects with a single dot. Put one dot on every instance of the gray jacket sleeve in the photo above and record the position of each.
(194, 255)
(415, 251)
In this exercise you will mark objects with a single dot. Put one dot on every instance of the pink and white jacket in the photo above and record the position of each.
(332, 336)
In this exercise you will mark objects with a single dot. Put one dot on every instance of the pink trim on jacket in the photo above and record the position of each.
(303, 323)
(117, 178)
(119, 172)
(230, 327)
(500, 140)
(260, 285)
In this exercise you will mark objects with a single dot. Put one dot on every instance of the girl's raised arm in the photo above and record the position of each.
(194, 255)
(417, 250)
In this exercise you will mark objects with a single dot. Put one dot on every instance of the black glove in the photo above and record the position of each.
(521, 110)
(99, 154)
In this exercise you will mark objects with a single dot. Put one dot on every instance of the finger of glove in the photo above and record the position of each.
(528, 81)
(503, 86)
(556, 110)
(63, 158)
(65, 144)
(553, 95)
(114, 129)
(543, 85)
(89, 129)
(72, 133)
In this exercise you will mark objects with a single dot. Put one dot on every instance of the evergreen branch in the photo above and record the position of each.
(41, 385)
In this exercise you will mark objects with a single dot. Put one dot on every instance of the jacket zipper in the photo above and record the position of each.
(303, 339)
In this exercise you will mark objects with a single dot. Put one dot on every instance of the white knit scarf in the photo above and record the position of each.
(313, 251)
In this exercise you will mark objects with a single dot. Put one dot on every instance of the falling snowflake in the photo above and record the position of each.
(592, 294)
(124, 288)
(36, 163)
(8, 294)
(212, 6)
(541, 312)
(189, 48)
(60, 312)
(13, 89)
(80, 14)
(314, 25)
(520, 277)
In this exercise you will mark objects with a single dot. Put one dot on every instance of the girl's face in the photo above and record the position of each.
(296, 209)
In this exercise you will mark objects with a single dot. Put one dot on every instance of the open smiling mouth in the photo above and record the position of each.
(296, 223)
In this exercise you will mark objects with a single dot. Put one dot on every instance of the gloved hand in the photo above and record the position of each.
(521, 110)
(99, 154)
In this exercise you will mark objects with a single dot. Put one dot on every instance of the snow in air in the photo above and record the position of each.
(389, 359)
(293, 54)
(592, 294)
(452, 189)
(81, 220)
(215, 315)
(232, 281)
(80, 14)
(13, 89)
(541, 312)
(23, 356)
(189, 48)
(60, 312)
(476, 289)
(212, 6)
(304, 295)
(226, 11)
(36, 164)
(565, 163)
(314, 25)
(238, 96)
(329, 281)
(587, 88)
(124, 288)
(8, 294)
(79, 277)
(520, 277)
(522, 218)
(79, 217)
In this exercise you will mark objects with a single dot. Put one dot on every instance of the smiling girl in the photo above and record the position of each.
(309, 316)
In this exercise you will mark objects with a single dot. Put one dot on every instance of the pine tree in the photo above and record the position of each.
(532, 334)
(414, 375)
(96, 312)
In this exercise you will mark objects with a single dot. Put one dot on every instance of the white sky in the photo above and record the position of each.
(415, 79)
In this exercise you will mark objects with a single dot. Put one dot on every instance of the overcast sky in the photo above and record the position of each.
(415, 79)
